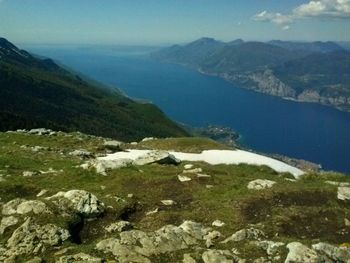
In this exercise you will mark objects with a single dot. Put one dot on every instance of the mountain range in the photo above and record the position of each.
(37, 92)
(304, 71)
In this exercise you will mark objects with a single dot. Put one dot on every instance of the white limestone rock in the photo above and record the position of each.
(299, 253)
(343, 193)
(119, 226)
(21, 206)
(183, 178)
(336, 254)
(260, 184)
(7, 222)
(218, 223)
(246, 233)
(82, 202)
(160, 157)
(31, 238)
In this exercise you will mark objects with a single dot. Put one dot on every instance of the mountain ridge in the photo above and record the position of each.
(39, 93)
(258, 66)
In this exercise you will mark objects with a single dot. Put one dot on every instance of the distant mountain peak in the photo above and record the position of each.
(316, 46)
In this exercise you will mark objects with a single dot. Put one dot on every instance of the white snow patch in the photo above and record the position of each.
(216, 157)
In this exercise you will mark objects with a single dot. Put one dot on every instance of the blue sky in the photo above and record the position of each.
(154, 22)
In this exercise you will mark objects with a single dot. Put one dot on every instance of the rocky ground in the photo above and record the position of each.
(57, 206)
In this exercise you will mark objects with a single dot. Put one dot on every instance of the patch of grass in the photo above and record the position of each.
(185, 144)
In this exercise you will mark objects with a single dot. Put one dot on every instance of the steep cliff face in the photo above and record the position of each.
(339, 101)
(268, 83)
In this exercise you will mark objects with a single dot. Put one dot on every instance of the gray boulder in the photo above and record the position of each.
(160, 157)
(102, 166)
(336, 254)
(138, 246)
(299, 253)
(31, 238)
(113, 146)
(21, 206)
(80, 202)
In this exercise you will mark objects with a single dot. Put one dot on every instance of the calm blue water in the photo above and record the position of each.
(267, 124)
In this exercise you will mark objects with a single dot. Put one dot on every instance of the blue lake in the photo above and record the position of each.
(267, 124)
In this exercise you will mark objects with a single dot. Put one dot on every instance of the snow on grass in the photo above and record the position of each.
(216, 157)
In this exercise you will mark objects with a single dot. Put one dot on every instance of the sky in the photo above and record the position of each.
(163, 22)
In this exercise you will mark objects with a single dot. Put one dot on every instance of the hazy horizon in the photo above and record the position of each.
(160, 23)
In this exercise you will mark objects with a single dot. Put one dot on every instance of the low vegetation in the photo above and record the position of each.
(305, 210)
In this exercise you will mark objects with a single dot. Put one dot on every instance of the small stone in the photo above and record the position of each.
(193, 171)
(29, 174)
(130, 195)
(346, 222)
(41, 193)
(183, 178)
(81, 153)
(210, 237)
(208, 186)
(203, 176)
(188, 166)
(218, 223)
(152, 212)
(168, 202)
(260, 184)
(243, 234)
(148, 139)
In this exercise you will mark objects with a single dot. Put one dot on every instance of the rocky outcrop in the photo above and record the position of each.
(299, 253)
(338, 101)
(267, 82)
(138, 246)
(21, 206)
(31, 238)
(80, 202)
(336, 254)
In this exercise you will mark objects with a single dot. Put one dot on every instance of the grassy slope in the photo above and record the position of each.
(306, 210)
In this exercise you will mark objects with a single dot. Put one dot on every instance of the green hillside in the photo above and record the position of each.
(38, 93)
